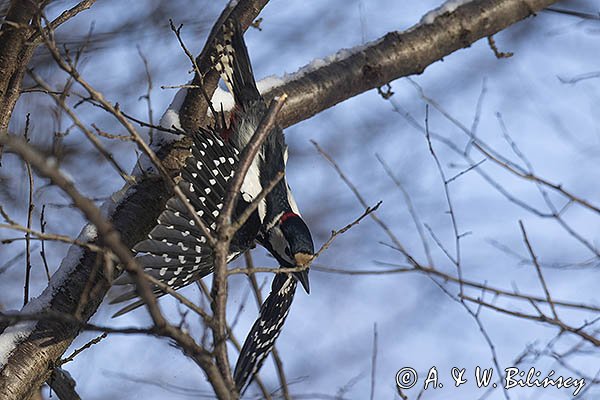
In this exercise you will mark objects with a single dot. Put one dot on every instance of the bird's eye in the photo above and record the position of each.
(288, 251)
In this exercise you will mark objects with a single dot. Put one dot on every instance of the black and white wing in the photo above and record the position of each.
(177, 252)
(266, 329)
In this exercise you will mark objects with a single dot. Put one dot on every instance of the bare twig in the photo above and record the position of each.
(43, 250)
(497, 52)
(538, 269)
(86, 346)
(362, 201)
(411, 209)
(148, 93)
(29, 218)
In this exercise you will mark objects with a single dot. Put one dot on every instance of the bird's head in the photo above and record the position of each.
(289, 240)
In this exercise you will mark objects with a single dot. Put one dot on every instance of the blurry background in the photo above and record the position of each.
(327, 343)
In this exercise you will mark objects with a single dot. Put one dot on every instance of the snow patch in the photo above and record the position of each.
(11, 337)
(317, 63)
(447, 7)
(170, 119)
(15, 334)
(221, 98)
(269, 82)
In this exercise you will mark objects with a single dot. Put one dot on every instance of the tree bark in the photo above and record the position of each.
(15, 54)
(395, 55)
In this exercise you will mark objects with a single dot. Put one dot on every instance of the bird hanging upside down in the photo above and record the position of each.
(177, 252)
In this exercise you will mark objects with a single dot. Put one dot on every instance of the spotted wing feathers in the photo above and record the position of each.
(176, 251)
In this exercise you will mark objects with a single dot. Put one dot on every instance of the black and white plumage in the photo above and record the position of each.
(176, 251)
(266, 329)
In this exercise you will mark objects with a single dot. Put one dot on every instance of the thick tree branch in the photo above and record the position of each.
(399, 54)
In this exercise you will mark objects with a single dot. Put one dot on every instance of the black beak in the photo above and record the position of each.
(303, 278)
(303, 259)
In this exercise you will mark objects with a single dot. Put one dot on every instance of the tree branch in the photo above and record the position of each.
(397, 54)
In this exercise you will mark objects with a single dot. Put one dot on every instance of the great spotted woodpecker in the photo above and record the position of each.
(176, 251)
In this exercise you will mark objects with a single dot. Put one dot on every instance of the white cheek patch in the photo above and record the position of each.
(279, 244)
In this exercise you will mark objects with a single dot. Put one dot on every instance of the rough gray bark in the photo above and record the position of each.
(63, 385)
(397, 54)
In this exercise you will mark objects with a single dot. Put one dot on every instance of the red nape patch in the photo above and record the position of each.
(226, 134)
(286, 216)
(228, 130)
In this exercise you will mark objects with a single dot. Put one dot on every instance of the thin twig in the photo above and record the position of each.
(148, 93)
(29, 218)
(363, 202)
(43, 250)
(49, 236)
(538, 269)
(411, 209)
(86, 346)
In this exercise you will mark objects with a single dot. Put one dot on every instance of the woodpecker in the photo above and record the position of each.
(176, 251)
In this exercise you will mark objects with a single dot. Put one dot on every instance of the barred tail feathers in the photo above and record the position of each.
(231, 60)
(265, 330)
